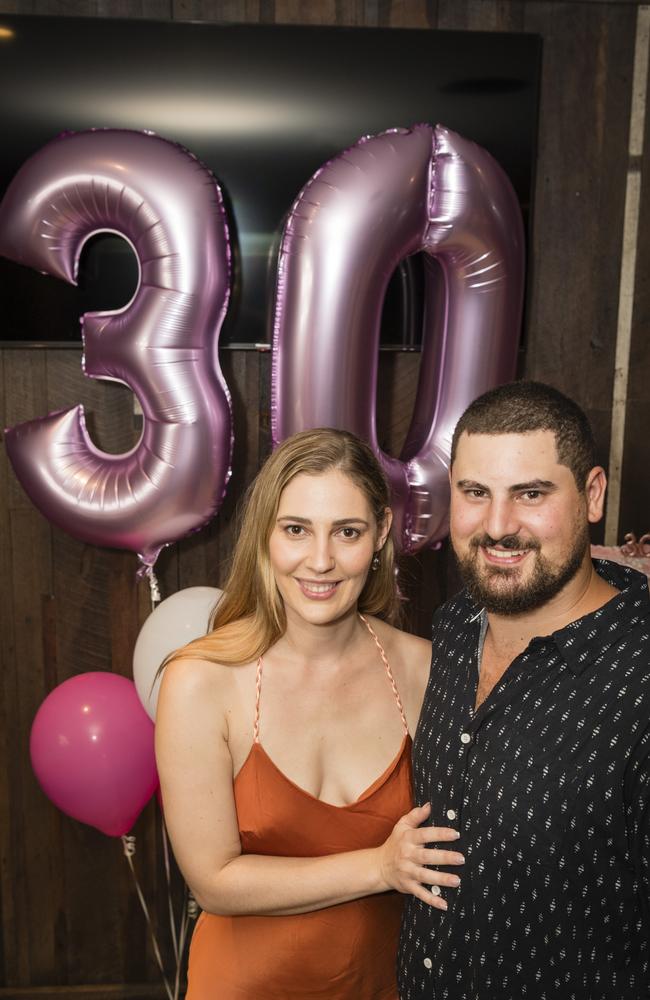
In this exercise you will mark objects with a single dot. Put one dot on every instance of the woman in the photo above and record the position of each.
(283, 743)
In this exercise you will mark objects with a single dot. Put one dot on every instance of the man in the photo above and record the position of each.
(534, 738)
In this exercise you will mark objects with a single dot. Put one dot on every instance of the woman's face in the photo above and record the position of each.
(322, 544)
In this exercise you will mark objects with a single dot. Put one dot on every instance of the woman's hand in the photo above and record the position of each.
(403, 856)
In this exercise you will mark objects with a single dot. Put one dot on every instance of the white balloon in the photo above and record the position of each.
(176, 621)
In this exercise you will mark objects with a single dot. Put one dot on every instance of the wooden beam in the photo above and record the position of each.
(111, 991)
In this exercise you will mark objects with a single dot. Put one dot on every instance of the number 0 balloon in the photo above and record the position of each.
(163, 344)
(389, 196)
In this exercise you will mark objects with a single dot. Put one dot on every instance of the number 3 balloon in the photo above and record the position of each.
(389, 196)
(163, 344)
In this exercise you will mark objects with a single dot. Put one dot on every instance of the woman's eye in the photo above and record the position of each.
(294, 530)
(350, 532)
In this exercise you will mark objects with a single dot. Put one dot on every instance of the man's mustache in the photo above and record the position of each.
(506, 542)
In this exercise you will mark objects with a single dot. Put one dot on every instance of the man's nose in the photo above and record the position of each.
(501, 518)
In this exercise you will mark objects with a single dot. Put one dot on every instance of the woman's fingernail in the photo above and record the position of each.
(456, 881)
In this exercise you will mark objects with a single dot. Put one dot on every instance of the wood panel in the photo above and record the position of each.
(635, 495)
(28, 580)
(70, 918)
(579, 201)
(116, 991)
(8, 727)
(156, 9)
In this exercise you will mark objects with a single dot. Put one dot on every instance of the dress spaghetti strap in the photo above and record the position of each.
(388, 671)
(258, 692)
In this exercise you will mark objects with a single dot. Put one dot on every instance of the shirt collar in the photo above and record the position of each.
(582, 640)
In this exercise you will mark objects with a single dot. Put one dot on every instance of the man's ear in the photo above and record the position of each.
(595, 488)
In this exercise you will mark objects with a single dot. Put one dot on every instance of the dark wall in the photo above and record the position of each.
(69, 915)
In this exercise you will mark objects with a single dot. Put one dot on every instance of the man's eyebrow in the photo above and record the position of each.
(470, 484)
(534, 484)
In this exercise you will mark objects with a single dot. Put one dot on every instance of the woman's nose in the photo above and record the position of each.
(321, 557)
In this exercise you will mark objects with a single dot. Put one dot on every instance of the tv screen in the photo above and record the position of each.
(263, 106)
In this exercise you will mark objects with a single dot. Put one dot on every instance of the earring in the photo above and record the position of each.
(375, 561)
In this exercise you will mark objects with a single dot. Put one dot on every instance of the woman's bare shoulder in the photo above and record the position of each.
(197, 683)
(410, 658)
(195, 675)
(407, 647)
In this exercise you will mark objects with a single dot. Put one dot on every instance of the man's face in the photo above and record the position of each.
(519, 525)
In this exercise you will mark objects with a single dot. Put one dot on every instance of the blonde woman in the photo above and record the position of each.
(283, 743)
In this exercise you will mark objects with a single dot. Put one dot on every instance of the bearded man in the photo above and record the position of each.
(534, 738)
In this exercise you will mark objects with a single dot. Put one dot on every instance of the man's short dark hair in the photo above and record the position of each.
(521, 407)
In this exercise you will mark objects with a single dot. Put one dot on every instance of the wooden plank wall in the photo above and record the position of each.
(70, 921)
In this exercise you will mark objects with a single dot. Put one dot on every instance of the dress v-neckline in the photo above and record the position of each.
(373, 787)
(378, 782)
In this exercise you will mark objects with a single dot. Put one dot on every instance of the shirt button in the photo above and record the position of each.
(451, 814)
(465, 738)
(428, 964)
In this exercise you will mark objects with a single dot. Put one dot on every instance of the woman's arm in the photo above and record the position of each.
(196, 777)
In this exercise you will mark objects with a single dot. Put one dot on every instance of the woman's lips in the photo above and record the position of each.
(318, 591)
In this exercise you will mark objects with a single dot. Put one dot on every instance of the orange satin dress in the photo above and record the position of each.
(344, 952)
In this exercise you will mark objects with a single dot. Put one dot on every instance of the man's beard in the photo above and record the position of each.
(545, 582)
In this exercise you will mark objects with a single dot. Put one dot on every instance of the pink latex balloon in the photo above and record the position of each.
(92, 750)
(163, 344)
(389, 196)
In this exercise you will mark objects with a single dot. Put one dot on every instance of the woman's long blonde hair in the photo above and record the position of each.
(250, 616)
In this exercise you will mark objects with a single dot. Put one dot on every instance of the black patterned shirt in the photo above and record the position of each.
(549, 786)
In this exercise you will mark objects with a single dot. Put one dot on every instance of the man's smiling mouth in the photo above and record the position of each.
(504, 556)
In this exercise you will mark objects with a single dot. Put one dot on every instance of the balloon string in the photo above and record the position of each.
(153, 587)
(184, 924)
(146, 569)
(128, 843)
(170, 903)
(189, 911)
(188, 914)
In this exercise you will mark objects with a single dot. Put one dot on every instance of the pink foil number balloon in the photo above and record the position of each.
(389, 196)
(92, 750)
(163, 344)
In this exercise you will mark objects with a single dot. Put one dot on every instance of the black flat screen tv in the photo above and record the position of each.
(263, 106)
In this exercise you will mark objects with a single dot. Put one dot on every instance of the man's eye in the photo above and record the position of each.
(476, 494)
(532, 494)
